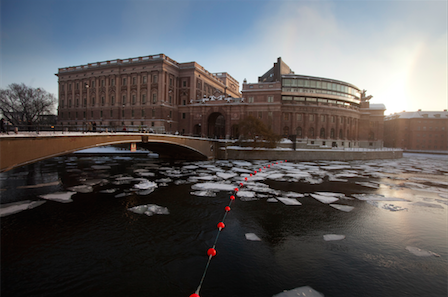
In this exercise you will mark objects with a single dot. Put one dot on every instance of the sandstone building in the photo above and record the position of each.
(156, 92)
(419, 130)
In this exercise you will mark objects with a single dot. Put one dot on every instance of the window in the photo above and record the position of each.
(154, 98)
(84, 114)
(270, 114)
(311, 132)
(111, 113)
(77, 86)
(171, 82)
(85, 102)
(93, 83)
(102, 82)
(112, 82)
(112, 100)
(123, 101)
(77, 102)
(270, 99)
(144, 79)
(62, 103)
(286, 116)
(101, 113)
(299, 117)
(153, 114)
(132, 113)
(322, 133)
(322, 118)
(143, 98)
(93, 101)
(311, 117)
(134, 79)
(102, 101)
(250, 99)
(260, 114)
(299, 131)
(169, 98)
(124, 81)
(154, 79)
(133, 100)
(183, 115)
(184, 83)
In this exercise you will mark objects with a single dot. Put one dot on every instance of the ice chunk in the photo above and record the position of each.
(368, 185)
(213, 186)
(427, 204)
(294, 195)
(272, 200)
(331, 237)
(252, 236)
(339, 195)
(145, 192)
(81, 189)
(94, 182)
(345, 208)
(145, 184)
(241, 170)
(376, 197)
(324, 198)
(242, 163)
(275, 176)
(15, 207)
(121, 195)
(421, 253)
(246, 194)
(190, 167)
(63, 197)
(289, 201)
(149, 209)
(305, 291)
(224, 175)
(109, 191)
(204, 193)
(387, 206)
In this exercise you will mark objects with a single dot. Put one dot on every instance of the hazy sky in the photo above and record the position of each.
(396, 50)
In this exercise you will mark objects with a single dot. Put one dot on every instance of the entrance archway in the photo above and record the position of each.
(216, 125)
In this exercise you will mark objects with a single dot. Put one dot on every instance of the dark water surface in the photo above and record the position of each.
(95, 246)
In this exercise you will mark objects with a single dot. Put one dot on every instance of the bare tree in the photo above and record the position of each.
(21, 104)
(253, 128)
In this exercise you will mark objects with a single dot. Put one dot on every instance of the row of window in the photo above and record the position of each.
(112, 101)
(293, 90)
(124, 82)
(311, 133)
(69, 115)
(317, 84)
(310, 117)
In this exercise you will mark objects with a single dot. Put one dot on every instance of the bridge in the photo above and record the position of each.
(22, 149)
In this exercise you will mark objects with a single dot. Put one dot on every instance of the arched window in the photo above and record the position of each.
(341, 136)
(299, 131)
(311, 132)
(332, 133)
(371, 135)
(322, 133)
(286, 130)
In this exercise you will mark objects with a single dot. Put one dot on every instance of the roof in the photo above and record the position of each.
(379, 106)
(418, 115)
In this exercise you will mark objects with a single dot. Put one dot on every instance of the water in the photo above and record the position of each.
(95, 246)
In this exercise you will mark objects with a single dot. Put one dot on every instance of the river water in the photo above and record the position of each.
(84, 240)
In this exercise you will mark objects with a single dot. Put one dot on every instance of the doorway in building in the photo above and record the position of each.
(197, 131)
(216, 125)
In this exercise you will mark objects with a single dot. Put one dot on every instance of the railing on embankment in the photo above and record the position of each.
(233, 153)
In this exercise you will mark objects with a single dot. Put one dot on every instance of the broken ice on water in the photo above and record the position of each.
(81, 189)
(271, 200)
(145, 184)
(252, 236)
(225, 175)
(345, 208)
(376, 197)
(324, 198)
(16, 207)
(63, 197)
(289, 201)
(368, 185)
(331, 237)
(386, 206)
(421, 253)
(205, 193)
(213, 187)
(305, 291)
(149, 209)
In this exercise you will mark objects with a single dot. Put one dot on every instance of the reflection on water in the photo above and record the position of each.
(96, 246)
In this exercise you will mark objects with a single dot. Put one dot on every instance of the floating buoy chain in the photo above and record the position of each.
(211, 252)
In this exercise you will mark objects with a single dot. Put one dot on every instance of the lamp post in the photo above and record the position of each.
(85, 105)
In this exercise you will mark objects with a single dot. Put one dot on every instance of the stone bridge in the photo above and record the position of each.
(19, 150)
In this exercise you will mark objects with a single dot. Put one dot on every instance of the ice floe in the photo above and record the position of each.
(345, 208)
(16, 207)
(272, 200)
(149, 209)
(205, 193)
(305, 291)
(386, 206)
(368, 185)
(331, 237)
(225, 175)
(63, 197)
(213, 187)
(289, 201)
(81, 189)
(376, 197)
(324, 198)
(252, 236)
(421, 253)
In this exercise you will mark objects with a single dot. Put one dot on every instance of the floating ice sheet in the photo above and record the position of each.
(246, 194)
(15, 207)
(149, 209)
(63, 197)
(289, 201)
(272, 200)
(81, 189)
(213, 186)
(252, 236)
(305, 291)
(204, 193)
(345, 208)
(331, 237)
(324, 198)
(376, 197)
(225, 175)
(421, 253)
(368, 185)
(145, 184)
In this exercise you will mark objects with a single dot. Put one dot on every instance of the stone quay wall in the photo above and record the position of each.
(308, 155)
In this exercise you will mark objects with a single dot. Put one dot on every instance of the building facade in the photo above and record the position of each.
(159, 93)
(419, 130)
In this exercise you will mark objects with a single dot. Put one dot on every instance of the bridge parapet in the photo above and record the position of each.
(16, 151)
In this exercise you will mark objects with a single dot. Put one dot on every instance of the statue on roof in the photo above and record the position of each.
(364, 97)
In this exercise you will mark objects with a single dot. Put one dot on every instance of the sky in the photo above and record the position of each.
(396, 50)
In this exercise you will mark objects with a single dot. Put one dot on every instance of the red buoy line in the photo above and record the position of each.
(211, 252)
